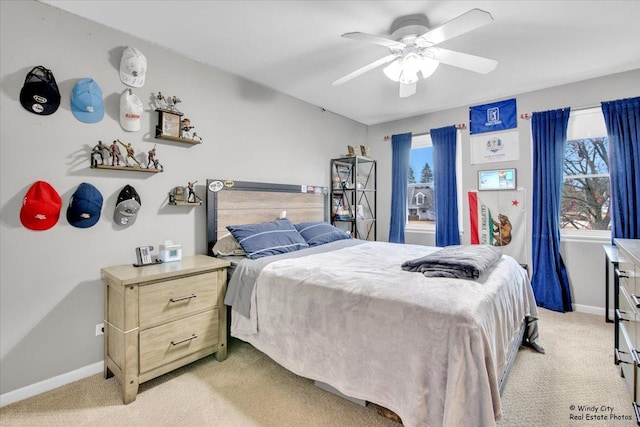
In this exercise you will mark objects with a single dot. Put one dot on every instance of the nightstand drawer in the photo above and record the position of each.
(166, 343)
(170, 300)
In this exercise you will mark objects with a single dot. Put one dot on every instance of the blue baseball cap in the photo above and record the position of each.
(84, 206)
(86, 101)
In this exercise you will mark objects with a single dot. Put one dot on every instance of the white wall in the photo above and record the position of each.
(584, 259)
(51, 289)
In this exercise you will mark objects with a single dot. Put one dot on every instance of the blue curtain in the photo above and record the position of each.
(622, 118)
(401, 154)
(446, 190)
(550, 281)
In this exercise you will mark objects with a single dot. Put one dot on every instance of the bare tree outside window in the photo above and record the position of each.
(585, 191)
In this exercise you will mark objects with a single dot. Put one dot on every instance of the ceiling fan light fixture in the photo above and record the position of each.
(393, 70)
(428, 66)
(406, 68)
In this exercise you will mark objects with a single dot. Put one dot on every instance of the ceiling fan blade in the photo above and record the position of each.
(366, 68)
(474, 63)
(475, 18)
(391, 44)
(407, 89)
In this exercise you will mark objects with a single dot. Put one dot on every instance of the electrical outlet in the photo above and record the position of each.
(100, 329)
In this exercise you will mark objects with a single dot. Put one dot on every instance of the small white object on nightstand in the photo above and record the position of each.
(170, 251)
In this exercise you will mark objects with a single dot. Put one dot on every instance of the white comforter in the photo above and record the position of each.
(430, 349)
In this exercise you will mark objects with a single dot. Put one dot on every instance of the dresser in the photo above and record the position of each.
(163, 316)
(627, 318)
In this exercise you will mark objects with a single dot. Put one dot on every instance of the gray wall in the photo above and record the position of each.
(51, 290)
(584, 258)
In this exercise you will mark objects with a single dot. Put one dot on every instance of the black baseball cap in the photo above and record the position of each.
(127, 206)
(40, 94)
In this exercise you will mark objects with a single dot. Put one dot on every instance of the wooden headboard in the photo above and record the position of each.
(242, 202)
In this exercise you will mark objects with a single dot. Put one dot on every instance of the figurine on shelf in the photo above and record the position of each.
(197, 137)
(130, 153)
(161, 102)
(152, 159)
(167, 103)
(186, 128)
(97, 152)
(174, 102)
(176, 195)
(114, 151)
(192, 197)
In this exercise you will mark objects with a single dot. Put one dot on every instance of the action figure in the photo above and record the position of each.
(161, 102)
(192, 197)
(130, 153)
(97, 152)
(174, 101)
(114, 151)
(197, 137)
(152, 159)
(186, 128)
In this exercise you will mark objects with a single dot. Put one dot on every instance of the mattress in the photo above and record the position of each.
(430, 349)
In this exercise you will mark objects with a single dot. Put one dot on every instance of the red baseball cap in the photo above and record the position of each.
(40, 207)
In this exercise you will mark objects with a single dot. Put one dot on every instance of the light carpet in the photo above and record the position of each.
(249, 389)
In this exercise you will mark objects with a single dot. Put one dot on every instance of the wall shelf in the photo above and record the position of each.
(127, 168)
(176, 139)
(169, 127)
(199, 203)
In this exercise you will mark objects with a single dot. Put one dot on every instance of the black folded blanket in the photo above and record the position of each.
(458, 261)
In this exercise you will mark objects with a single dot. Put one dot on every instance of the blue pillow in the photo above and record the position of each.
(268, 238)
(319, 233)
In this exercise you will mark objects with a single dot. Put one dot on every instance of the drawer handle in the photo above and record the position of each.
(183, 298)
(637, 412)
(634, 297)
(192, 337)
(619, 315)
(619, 359)
(621, 274)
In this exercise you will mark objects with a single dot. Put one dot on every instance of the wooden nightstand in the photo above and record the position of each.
(160, 317)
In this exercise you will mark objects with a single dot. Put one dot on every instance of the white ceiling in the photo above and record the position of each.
(295, 46)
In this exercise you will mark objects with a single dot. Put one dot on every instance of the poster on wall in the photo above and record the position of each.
(493, 117)
(498, 219)
(497, 147)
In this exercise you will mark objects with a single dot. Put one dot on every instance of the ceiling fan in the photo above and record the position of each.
(414, 49)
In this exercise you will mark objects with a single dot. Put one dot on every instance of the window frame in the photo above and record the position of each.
(578, 129)
(424, 140)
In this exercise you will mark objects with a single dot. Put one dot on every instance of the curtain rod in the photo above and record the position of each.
(458, 126)
(527, 116)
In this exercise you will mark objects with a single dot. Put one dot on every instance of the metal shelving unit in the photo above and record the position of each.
(353, 196)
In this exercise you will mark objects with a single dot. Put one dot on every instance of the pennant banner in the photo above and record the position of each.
(498, 218)
(493, 117)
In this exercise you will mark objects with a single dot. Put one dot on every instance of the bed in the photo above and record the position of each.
(436, 351)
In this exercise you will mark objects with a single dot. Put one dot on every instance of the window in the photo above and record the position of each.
(585, 189)
(420, 198)
(420, 206)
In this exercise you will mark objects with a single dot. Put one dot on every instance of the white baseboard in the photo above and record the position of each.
(50, 384)
(590, 310)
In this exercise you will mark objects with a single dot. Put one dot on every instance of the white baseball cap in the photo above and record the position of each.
(133, 67)
(130, 111)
